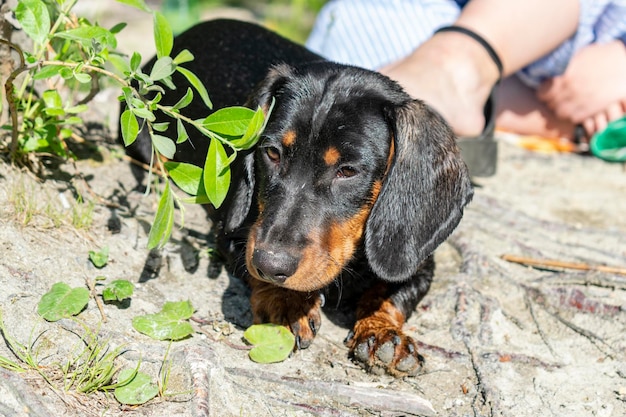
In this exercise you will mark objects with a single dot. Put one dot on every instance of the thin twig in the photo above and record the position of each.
(553, 263)
(92, 290)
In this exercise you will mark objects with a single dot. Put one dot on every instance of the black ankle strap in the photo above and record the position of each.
(492, 53)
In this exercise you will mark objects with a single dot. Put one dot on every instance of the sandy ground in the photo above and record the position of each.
(500, 339)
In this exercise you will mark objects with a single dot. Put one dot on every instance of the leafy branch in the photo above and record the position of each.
(74, 53)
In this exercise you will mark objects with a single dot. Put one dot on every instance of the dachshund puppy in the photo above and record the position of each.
(350, 189)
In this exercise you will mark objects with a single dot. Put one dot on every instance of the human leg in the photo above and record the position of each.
(455, 75)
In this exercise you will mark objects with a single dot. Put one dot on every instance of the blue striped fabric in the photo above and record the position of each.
(373, 33)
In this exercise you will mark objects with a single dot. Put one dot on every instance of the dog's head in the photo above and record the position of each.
(347, 161)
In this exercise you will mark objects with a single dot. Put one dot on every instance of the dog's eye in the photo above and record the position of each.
(346, 172)
(273, 154)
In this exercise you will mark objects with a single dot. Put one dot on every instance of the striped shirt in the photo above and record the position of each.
(373, 33)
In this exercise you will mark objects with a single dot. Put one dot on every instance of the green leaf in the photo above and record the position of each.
(120, 64)
(160, 127)
(185, 101)
(118, 28)
(66, 73)
(182, 132)
(253, 131)
(167, 81)
(163, 67)
(135, 61)
(163, 220)
(196, 199)
(171, 323)
(143, 113)
(52, 99)
(54, 112)
(138, 4)
(47, 72)
(181, 310)
(127, 95)
(197, 84)
(87, 34)
(163, 35)
(129, 127)
(231, 121)
(164, 145)
(216, 173)
(73, 120)
(187, 177)
(62, 301)
(272, 343)
(118, 290)
(82, 78)
(99, 259)
(35, 20)
(139, 390)
(77, 109)
(183, 56)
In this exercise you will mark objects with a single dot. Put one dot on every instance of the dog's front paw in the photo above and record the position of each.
(380, 350)
(297, 310)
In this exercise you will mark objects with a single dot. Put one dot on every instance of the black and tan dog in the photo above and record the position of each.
(349, 191)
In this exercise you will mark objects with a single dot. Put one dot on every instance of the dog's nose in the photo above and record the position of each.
(275, 267)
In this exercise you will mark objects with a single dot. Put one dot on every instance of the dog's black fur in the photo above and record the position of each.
(353, 185)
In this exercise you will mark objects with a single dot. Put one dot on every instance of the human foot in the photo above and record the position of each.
(592, 91)
(453, 74)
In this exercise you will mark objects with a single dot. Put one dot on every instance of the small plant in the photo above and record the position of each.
(171, 323)
(271, 342)
(62, 301)
(82, 213)
(24, 353)
(118, 290)
(99, 258)
(71, 57)
(134, 387)
(93, 367)
(35, 206)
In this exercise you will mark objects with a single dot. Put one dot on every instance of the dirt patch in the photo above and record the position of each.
(499, 338)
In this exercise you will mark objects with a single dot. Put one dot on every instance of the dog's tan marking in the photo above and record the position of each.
(289, 138)
(331, 156)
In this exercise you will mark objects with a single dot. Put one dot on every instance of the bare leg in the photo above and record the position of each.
(455, 75)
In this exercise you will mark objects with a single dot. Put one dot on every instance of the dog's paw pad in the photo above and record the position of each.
(363, 350)
(407, 364)
(387, 351)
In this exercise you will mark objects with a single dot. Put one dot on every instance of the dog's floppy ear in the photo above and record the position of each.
(423, 194)
(243, 191)
(270, 87)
